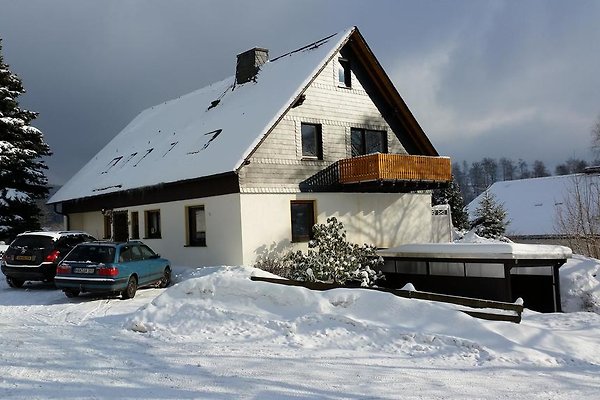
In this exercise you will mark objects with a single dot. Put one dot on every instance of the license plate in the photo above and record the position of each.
(25, 258)
(84, 270)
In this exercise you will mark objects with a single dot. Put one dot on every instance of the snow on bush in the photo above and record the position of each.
(331, 258)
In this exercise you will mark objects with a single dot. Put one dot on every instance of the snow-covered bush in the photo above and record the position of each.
(331, 258)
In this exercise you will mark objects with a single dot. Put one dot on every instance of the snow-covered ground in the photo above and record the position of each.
(216, 334)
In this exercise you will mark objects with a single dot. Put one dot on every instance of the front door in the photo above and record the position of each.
(120, 227)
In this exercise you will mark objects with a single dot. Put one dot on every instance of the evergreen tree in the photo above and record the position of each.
(22, 180)
(452, 196)
(490, 217)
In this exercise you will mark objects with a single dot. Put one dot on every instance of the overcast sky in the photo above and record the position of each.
(483, 78)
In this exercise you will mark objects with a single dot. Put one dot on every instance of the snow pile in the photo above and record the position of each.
(221, 305)
(580, 284)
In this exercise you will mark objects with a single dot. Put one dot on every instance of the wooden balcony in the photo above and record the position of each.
(395, 167)
(382, 173)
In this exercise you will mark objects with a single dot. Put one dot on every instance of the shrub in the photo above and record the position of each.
(331, 258)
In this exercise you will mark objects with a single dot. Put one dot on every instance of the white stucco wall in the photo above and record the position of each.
(242, 227)
(223, 233)
(382, 219)
(91, 222)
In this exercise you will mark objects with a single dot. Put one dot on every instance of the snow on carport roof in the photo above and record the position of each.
(500, 251)
(186, 138)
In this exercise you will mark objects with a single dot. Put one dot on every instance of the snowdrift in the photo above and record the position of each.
(222, 305)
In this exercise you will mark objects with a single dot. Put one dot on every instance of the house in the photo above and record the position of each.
(243, 167)
(557, 210)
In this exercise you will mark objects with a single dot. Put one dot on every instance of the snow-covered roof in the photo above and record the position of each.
(531, 203)
(500, 251)
(55, 235)
(186, 138)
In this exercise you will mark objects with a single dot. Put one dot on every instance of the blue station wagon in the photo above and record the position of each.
(111, 267)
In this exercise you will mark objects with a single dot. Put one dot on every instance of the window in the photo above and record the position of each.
(447, 268)
(107, 227)
(152, 222)
(147, 253)
(303, 219)
(485, 270)
(311, 141)
(412, 267)
(135, 225)
(344, 76)
(365, 141)
(196, 226)
(125, 255)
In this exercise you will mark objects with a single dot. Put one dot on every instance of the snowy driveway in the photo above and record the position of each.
(202, 342)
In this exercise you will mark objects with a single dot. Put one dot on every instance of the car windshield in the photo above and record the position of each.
(32, 241)
(92, 254)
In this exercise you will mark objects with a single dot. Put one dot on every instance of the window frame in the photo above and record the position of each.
(363, 141)
(317, 136)
(296, 238)
(135, 225)
(191, 226)
(343, 66)
(107, 234)
(147, 227)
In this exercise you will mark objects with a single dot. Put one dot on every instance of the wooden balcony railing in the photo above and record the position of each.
(394, 167)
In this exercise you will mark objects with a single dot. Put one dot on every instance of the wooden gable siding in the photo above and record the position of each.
(277, 164)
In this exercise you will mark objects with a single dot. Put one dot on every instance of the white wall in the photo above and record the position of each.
(223, 234)
(382, 219)
(91, 222)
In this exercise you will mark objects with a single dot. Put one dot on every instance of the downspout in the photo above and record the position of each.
(63, 214)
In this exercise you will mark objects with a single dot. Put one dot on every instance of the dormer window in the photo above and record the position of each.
(344, 76)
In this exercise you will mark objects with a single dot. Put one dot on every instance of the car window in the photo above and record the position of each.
(91, 253)
(146, 251)
(137, 253)
(32, 241)
(125, 254)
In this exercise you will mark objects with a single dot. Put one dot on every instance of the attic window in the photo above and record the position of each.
(144, 156)
(170, 148)
(213, 104)
(130, 157)
(344, 75)
(207, 138)
(112, 163)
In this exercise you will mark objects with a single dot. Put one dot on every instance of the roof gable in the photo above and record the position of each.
(186, 138)
(213, 130)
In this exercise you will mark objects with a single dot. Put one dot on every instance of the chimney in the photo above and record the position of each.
(249, 63)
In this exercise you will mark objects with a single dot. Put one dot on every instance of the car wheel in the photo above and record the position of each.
(71, 293)
(14, 283)
(130, 290)
(166, 279)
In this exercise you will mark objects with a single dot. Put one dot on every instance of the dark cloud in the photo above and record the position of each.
(475, 73)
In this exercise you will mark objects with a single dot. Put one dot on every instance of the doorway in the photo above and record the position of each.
(120, 226)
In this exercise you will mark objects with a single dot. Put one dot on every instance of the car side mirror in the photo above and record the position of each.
(153, 256)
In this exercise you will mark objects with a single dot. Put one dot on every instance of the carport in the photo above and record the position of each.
(492, 271)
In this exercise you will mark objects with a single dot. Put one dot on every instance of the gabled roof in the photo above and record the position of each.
(213, 130)
(531, 204)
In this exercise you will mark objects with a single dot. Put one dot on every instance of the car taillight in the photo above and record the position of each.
(53, 256)
(63, 269)
(108, 271)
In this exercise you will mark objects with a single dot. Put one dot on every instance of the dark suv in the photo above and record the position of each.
(33, 256)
